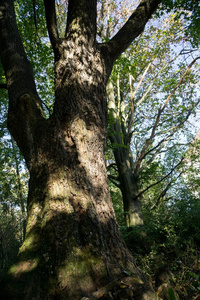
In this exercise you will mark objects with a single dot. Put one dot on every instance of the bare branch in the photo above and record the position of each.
(113, 165)
(174, 129)
(163, 193)
(141, 80)
(187, 51)
(150, 85)
(163, 178)
(130, 123)
(113, 181)
(162, 143)
(159, 146)
(147, 143)
(34, 15)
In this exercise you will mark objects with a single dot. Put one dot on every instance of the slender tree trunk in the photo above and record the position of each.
(128, 181)
(129, 187)
(132, 205)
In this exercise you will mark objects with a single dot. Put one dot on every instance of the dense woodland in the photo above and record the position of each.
(89, 111)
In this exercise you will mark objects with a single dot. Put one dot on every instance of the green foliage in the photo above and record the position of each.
(10, 239)
(171, 294)
(12, 199)
(190, 11)
(170, 239)
(13, 192)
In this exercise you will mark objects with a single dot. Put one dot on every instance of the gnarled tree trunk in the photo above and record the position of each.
(72, 244)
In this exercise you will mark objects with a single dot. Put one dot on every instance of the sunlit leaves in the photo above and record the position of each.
(156, 62)
(190, 11)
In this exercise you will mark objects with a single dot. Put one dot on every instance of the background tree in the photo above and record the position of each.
(71, 233)
(151, 97)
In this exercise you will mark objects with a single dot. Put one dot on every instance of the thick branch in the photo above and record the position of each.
(50, 13)
(132, 28)
(81, 20)
(16, 66)
(115, 133)
(25, 107)
(112, 179)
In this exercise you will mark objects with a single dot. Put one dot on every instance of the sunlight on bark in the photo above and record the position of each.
(23, 267)
(35, 211)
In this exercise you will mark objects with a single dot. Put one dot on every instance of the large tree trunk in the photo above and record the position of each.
(73, 246)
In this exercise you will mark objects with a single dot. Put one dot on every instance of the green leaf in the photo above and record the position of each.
(195, 276)
(171, 294)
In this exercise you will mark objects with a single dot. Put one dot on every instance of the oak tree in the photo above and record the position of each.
(73, 247)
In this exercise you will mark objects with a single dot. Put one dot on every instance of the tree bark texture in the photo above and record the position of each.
(73, 246)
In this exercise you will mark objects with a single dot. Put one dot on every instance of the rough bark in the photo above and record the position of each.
(73, 246)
